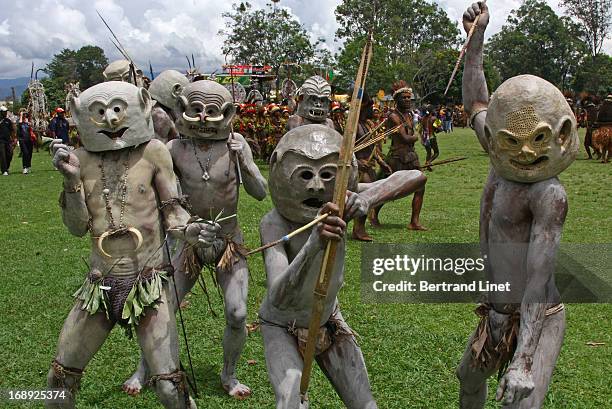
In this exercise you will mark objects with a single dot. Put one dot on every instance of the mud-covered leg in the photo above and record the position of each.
(158, 340)
(184, 284)
(472, 380)
(544, 361)
(81, 337)
(284, 364)
(345, 368)
(234, 284)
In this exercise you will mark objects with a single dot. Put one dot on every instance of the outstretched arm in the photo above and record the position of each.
(399, 184)
(549, 208)
(474, 87)
(254, 183)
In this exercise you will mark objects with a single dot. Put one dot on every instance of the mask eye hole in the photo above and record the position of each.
(210, 111)
(539, 138)
(306, 175)
(198, 109)
(326, 175)
(512, 141)
(101, 111)
(117, 109)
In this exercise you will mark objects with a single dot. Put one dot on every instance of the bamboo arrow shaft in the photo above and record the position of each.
(341, 184)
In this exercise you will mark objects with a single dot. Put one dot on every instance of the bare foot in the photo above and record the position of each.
(416, 226)
(362, 236)
(236, 389)
(133, 386)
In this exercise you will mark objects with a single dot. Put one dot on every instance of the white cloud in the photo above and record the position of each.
(162, 31)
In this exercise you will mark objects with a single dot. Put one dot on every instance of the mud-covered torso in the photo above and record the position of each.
(207, 197)
(506, 226)
(140, 207)
(296, 306)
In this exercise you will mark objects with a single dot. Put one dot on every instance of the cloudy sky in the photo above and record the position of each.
(159, 30)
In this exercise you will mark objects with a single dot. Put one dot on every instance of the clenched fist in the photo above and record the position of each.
(470, 14)
(202, 234)
(65, 161)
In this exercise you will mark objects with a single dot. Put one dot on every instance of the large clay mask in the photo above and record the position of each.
(314, 99)
(167, 87)
(303, 171)
(205, 111)
(113, 115)
(120, 71)
(531, 130)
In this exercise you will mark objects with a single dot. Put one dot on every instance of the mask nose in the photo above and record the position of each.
(315, 185)
(317, 104)
(111, 118)
(527, 153)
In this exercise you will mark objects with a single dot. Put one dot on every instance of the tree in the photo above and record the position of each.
(595, 18)
(536, 41)
(595, 76)
(85, 66)
(404, 31)
(268, 36)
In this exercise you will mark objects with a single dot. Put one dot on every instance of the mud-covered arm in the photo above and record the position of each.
(164, 180)
(284, 277)
(474, 86)
(395, 120)
(254, 183)
(75, 214)
(549, 210)
(399, 184)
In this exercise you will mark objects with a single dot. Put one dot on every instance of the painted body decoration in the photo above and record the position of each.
(530, 133)
(205, 161)
(120, 187)
(314, 99)
(302, 176)
(165, 89)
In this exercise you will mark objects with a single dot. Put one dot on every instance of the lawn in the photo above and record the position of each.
(411, 350)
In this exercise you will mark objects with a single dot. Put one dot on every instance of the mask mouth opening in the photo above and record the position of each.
(538, 163)
(317, 113)
(114, 135)
(203, 130)
(313, 202)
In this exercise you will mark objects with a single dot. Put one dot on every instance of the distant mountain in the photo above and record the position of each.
(20, 85)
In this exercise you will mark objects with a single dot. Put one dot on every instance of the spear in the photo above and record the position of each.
(443, 162)
(340, 187)
(463, 50)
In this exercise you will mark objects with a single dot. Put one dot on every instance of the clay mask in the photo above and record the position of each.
(205, 111)
(120, 71)
(531, 130)
(167, 86)
(113, 115)
(314, 97)
(303, 171)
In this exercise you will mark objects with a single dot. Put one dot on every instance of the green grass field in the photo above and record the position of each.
(411, 350)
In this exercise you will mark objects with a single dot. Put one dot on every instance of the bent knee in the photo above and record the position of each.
(236, 316)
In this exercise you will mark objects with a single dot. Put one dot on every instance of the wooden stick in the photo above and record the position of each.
(463, 50)
(340, 187)
(288, 237)
(443, 162)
